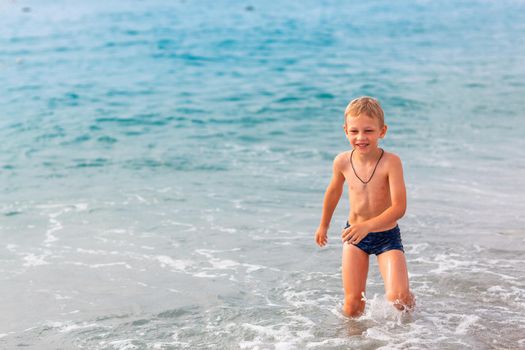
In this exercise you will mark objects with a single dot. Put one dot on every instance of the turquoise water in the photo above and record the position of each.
(163, 167)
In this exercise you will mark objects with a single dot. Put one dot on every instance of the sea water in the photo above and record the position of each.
(162, 170)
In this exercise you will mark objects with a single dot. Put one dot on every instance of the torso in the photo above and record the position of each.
(370, 200)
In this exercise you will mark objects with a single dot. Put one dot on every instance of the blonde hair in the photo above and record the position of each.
(365, 105)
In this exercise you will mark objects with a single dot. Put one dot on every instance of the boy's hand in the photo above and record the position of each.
(355, 233)
(321, 237)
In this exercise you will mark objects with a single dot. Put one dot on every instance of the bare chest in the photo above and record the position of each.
(368, 195)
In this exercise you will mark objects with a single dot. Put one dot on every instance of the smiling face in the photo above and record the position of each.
(364, 132)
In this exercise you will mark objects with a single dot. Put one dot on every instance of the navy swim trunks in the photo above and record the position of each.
(380, 242)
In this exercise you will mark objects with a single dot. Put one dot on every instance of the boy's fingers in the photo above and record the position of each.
(357, 240)
(347, 235)
(320, 240)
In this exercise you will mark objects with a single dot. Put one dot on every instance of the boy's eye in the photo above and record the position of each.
(357, 131)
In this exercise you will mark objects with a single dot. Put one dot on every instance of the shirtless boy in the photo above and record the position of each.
(377, 200)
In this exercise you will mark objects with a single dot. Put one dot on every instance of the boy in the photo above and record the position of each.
(377, 200)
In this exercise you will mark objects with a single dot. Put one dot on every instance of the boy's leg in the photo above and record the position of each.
(393, 267)
(355, 271)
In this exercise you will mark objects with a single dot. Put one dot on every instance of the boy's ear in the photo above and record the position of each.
(383, 131)
(344, 128)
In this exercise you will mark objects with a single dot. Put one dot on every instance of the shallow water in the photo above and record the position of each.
(163, 167)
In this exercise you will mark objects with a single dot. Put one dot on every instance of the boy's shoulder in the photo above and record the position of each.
(342, 155)
(391, 156)
(391, 163)
(342, 159)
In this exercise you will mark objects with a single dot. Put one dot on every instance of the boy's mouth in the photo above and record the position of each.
(361, 145)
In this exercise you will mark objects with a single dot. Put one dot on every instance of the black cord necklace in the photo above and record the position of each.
(373, 172)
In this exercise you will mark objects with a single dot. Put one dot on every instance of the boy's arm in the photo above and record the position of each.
(397, 198)
(333, 193)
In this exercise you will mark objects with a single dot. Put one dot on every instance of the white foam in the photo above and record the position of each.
(378, 334)
(237, 203)
(81, 206)
(334, 342)
(50, 206)
(34, 260)
(164, 190)
(61, 297)
(303, 320)
(478, 248)
(227, 229)
(262, 332)
(190, 227)
(251, 268)
(176, 342)
(416, 248)
(98, 266)
(446, 262)
(3, 335)
(300, 299)
(119, 263)
(380, 309)
(466, 322)
(224, 264)
(283, 243)
(218, 264)
(227, 264)
(495, 289)
(55, 226)
(180, 265)
(73, 327)
(58, 213)
(123, 344)
(169, 345)
(11, 247)
(204, 274)
(141, 199)
(116, 230)
(294, 330)
(97, 252)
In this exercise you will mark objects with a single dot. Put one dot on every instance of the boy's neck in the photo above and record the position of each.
(369, 156)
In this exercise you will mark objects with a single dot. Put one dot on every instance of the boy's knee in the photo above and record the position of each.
(354, 305)
(401, 299)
